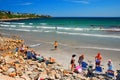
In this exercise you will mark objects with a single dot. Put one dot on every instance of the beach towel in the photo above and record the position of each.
(110, 73)
(78, 69)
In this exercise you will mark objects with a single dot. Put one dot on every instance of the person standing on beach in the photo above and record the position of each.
(80, 60)
(72, 62)
(98, 59)
(55, 45)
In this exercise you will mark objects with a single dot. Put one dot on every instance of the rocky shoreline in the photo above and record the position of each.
(14, 67)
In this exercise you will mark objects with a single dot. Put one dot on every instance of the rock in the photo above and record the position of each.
(51, 77)
(4, 68)
(100, 77)
(94, 78)
(43, 65)
(43, 75)
(56, 67)
(34, 66)
(61, 70)
(17, 65)
(34, 75)
(1, 70)
(21, 59)
(4, 73)
(30, 69)
(4, 77)
(57, 76)
(25, 77)
(58, 64)
(10, 70)
(13, 74)
(81, 77)
(32, 62)
(65, 73)
(41, 69)
(19, 73)
(39, 65)
(28, 72)
(18, 78)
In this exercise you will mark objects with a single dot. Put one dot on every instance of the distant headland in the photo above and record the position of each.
(8, 16)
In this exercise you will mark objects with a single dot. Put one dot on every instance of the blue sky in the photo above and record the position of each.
(65, 8)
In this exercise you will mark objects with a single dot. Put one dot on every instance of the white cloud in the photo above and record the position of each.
(26, 4)
(82, 1)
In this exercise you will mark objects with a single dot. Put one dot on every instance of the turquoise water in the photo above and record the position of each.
(71, 26)
(97, 33)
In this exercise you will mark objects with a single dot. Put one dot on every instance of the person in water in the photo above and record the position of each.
(98, 59)
(72, 62)
(55, 45)
(56, 28)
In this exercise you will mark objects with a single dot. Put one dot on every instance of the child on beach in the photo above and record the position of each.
(98, 59)
(55, 45)
(110, 65)
(110, 71)
(90, 71)
(80, 60)
(72, 62)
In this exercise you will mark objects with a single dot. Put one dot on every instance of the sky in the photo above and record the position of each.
(64, 8)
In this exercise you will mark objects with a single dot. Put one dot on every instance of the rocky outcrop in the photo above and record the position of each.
(9, 43)
(14, 67)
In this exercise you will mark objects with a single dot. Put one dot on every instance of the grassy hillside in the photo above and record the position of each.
(9, 15)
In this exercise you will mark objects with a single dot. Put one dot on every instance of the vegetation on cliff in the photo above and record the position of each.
(10, 15)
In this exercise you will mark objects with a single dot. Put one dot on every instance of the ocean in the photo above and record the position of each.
(77, 32)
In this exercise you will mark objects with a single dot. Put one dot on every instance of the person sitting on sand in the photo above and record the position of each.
(110, 65)
(39, 58)
(22, 48)
(80, 60)
(90, 71)
(98, 59)
(33, 54)
(49, 60)
(55, 45)
(118, 75)
(72, 62)
(110, 68)
(52, 60)
(29, 54)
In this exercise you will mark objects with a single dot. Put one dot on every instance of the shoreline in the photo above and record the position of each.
(14, 19)
(63, 54)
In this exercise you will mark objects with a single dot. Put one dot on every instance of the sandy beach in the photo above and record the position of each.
(13, 19)
(64, 52)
